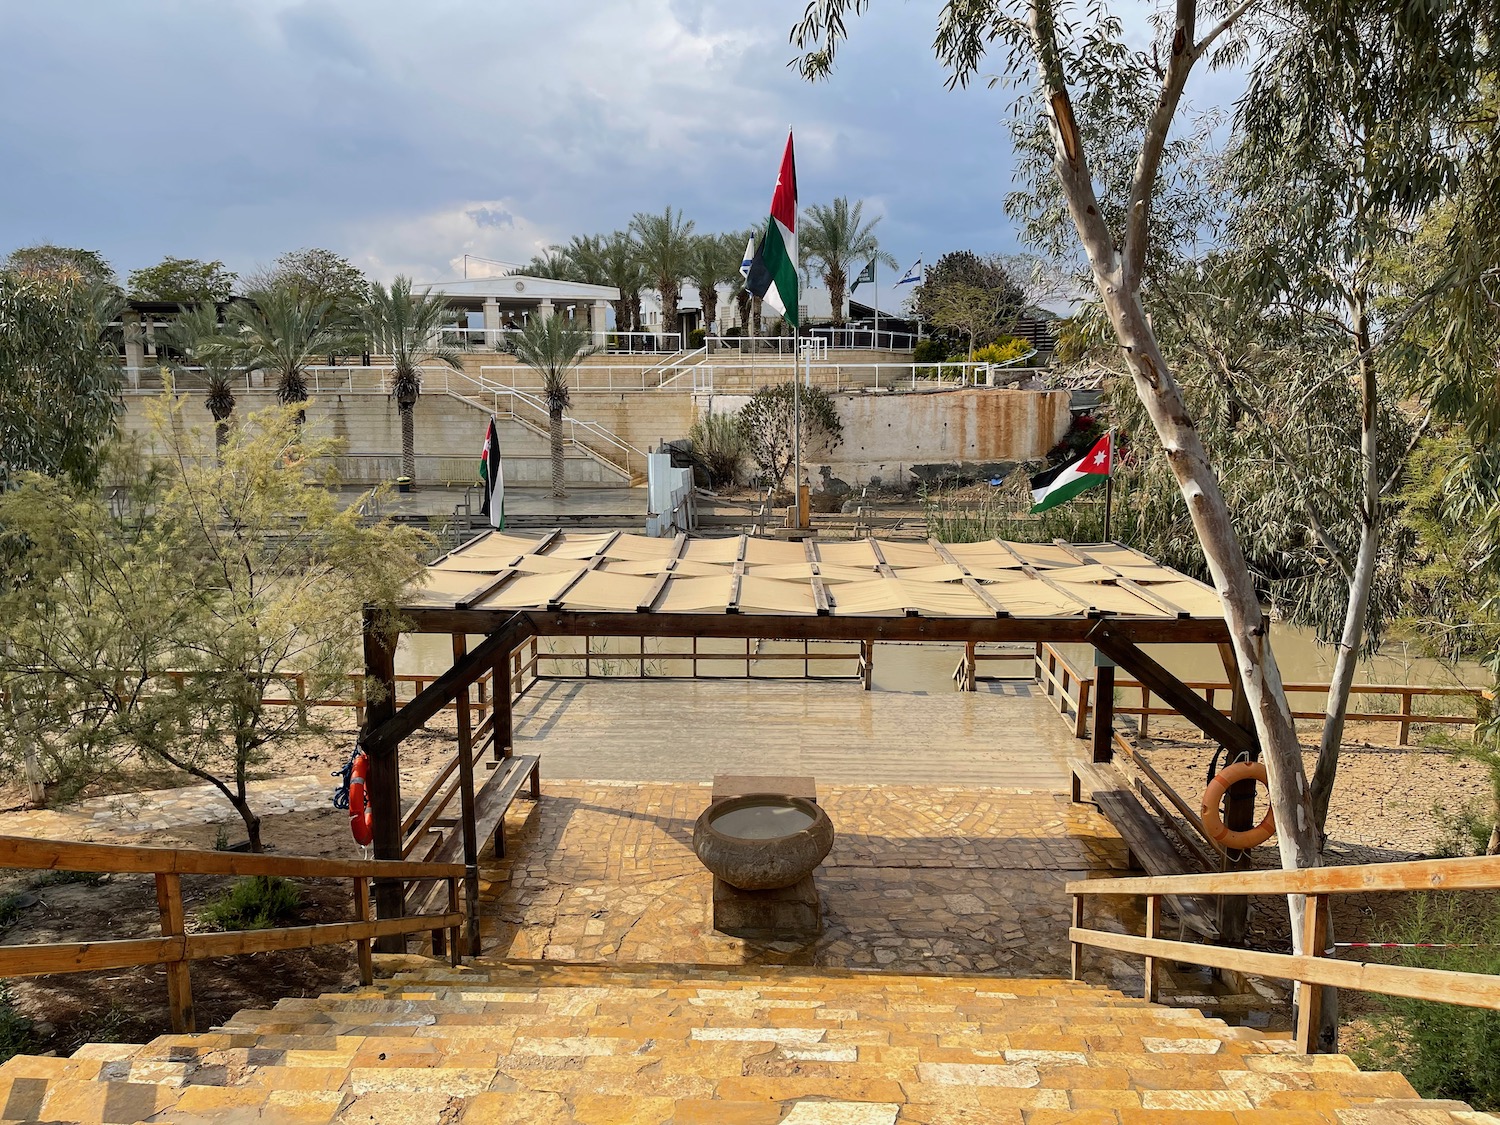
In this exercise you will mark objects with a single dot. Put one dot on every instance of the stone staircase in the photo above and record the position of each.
(552, 1042)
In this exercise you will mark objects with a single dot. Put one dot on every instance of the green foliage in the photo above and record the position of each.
(719, 446)
(768, 425)
(60, 263)
(714, 261)
(284, 330)
(552, 347)
(316, 277)
(1445, 1050)
(1004, 350)
(17, 1033)
(185, 280)
(1464, 830)
(696, 337)
(201, 343)
(969, 299)
(831, 240)
(59, 378)
(930, 349)
(665, 249)
(257, 902)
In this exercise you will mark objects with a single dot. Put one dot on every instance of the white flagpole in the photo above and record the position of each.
(875, 269)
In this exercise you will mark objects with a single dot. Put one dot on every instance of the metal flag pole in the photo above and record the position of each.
(875, 279)
(1109, 486)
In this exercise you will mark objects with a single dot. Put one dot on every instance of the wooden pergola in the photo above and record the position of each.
(512, 588)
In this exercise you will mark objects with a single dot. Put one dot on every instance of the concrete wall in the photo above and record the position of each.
(449, 433)
(906, 439)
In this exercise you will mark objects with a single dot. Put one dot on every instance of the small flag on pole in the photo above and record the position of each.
(773, 271)
(912, 276)
(492, 476)
(1059, 485)
(749, 259)
(865, 275)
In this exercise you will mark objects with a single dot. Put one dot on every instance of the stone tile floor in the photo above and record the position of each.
(921, 879)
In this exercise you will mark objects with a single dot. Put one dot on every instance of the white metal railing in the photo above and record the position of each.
(617, 378)
(531, 410)
(721, 378)
(837, 339)
(633, 343)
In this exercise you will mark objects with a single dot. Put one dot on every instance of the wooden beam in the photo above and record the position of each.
(1147, 595)
(970, 583)
(383, 782)
(466, 802)
(1032, 572)
(886, 572)
(1187, 702)
(648, 603)
(383, 736)
(821, 601)
(732, 603)
(1477, 873)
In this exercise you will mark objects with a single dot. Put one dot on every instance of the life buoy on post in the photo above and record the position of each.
(1214, 794)
(361, 815)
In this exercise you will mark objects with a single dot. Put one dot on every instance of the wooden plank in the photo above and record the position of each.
(1188, 813)
(1032, 572)
(381, 737)
(1475, 990)
(1145, 593)
(236, 942)
(85, 956)
(648, 603)
(383, 783)
(1195, 846)
(467, 829)
(1153, 964)
(363, 913)
(1314, 941)
(179, 977)
(1476, 873)
(1154, 676)
(67, 855)
(732, 603)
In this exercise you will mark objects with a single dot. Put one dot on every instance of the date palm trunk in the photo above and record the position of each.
(407, 408)
(836, 282)
(555, 439)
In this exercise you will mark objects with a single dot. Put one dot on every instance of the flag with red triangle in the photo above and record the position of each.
(492, 477)
(1059, 485)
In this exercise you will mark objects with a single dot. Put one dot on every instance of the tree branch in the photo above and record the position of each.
(1222, 26)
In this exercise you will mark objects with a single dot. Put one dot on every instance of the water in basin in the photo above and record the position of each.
(762, 822)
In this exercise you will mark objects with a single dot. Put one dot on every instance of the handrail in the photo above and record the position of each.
(1047, 676)
(537, 404)
(1312, 969)
(176, 948)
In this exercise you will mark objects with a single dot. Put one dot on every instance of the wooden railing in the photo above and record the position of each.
(175, 948)
(1314, 970)
(967, 676)
(1065, 687)
(1153, 789)
(1405, 716)
(606, 663)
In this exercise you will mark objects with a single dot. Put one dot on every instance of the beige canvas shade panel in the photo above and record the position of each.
(613, 572)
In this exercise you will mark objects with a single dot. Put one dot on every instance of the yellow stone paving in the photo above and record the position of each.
(619, 1044)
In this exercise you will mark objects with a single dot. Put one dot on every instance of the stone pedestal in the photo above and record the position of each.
(787, 914)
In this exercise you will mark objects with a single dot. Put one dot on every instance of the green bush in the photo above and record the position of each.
(1445, 1050)
(1464, 830)
(929, 351)
(1003, 350)
(696, 337)
(257, 902)
(719, 446)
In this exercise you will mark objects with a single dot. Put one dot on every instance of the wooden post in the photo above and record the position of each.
(1076, 954)
(179, 978)
(1405, 729)
(501, 746)
(1153, 930)
(1104, 708)
(1081, 714)
(1141, 727)
(869, 647)
(483, 684)
(299, 685)
(466, 802)
(695, 657)
(454, 956)
(383, 785)
(971, 670)
(362, 946)
(1310, 1004)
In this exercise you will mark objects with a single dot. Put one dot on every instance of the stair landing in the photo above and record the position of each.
(684, 1045)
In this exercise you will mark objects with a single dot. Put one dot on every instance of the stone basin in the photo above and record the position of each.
(762, 841)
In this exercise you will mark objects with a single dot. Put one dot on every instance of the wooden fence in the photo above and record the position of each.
(1313, 969)
(175, 948)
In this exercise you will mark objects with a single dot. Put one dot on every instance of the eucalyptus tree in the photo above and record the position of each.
(283, 331)
(831, 239)
(714, 261)
(408, 328)
(552, 347)
(666, 244)
(184, 280)
(60, 263)
(60, 378)
(204, 349)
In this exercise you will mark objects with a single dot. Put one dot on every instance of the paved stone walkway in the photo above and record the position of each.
(935, 879)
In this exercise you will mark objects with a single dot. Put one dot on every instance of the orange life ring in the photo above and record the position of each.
(1214, 794)
(361, 815)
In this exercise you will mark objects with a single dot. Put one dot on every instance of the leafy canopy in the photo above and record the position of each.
(187, 281)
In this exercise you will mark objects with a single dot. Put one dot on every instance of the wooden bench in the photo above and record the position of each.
(1145, 839)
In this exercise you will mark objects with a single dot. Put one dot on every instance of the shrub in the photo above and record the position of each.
(766, 426)
(257, 902)
(1464, 830)
(1445, 1050)
(929, 351)
(17, 1033)
(1003, 350)
(719, 446)
(696, 337)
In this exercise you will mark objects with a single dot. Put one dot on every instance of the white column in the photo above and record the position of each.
(491, 321)
(135, 350)
(544, 310)
(599, 321)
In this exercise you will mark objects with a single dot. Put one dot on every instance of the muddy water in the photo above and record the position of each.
(928, 668)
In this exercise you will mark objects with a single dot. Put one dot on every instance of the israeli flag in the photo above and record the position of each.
(749, 257)
(912, 276)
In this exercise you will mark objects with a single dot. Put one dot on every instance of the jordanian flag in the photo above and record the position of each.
(1059, 485)
(773, 273)
(492, 476)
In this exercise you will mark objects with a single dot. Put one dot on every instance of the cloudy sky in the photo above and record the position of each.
(406, 134)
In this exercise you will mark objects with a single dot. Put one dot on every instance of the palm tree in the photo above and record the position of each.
(409, 330)
(283, 330)
(552, 262)
(552, 347)
(201, 344)
(742, 296)
(620, 255)
(666, 242)
(832, 238)
(715, 259)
